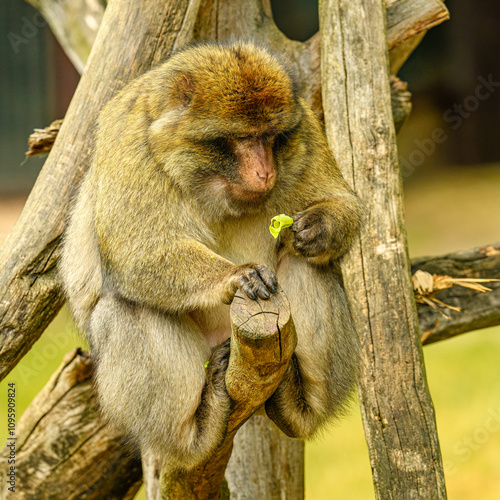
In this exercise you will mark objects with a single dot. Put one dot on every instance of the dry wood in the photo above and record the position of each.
(407, 18)
(42, 139)
(397, 411)
(263, 339)
(74, 23)
(64, 449)
(477, 310)
(398, 55)
(262, 446)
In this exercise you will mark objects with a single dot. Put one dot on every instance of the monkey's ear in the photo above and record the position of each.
(184, 86)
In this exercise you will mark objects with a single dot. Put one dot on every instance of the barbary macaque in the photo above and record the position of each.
(191, 162)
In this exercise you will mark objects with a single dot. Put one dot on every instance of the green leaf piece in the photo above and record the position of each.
(278, 223)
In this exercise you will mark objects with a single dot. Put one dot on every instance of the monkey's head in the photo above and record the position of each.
(226, 114)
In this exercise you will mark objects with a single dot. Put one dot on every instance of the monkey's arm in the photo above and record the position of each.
(184, 275)
(325, 210)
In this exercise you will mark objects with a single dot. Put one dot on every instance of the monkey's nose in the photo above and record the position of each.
(265, 179)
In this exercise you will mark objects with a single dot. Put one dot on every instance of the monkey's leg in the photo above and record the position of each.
(323, 369)
(152, 380)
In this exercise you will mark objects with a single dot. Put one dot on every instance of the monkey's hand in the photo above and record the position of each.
(315, 234)
(255, 280)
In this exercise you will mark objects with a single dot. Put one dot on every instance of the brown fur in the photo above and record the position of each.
(169, 223)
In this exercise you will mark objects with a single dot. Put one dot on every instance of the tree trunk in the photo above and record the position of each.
(397, 411)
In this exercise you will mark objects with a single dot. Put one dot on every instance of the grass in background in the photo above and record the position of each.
(36, 368)
(464, 379)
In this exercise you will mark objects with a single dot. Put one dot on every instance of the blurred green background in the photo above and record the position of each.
(452, 203)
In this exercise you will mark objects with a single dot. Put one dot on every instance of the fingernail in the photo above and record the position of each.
(267, 294)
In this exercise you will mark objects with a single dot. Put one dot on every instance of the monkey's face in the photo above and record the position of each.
(227, 113)
(251, 171)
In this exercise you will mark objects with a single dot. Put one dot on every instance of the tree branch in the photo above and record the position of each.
(477, 310)
(63, 438)
(74, 24)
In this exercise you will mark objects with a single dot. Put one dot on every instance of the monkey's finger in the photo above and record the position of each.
(269, 278)
(247, 287)
(298, 222)
(258, 286)
(309, 243)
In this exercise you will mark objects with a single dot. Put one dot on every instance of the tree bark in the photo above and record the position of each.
(397, 411)
(477, 310)
(407, 18)
(263, 340)
(64, 449)
(263, 447)
(74, 24)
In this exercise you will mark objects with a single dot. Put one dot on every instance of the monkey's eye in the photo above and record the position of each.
(283, 138)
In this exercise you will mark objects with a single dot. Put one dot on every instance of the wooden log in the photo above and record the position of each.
(30, 296)
(265, 464)
(477, 310)
(397, 410)
(407, 18)
(74, 24)
(64, 449)
(398, 55)
(263, 339)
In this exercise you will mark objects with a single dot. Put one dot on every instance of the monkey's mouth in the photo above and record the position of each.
(239, 193)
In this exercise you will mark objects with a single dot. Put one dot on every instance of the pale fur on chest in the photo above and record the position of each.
(241, 241)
